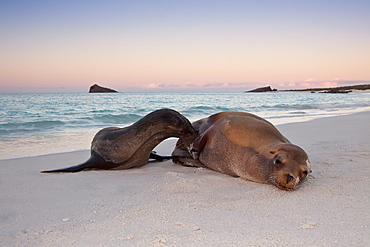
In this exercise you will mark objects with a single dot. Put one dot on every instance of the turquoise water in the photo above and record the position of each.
(35, 124)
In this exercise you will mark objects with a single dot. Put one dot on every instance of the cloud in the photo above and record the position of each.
(310, 79)
(329, 84)
(242, 86)
(198, 85)
(154, 85)
(310, 84)
(204, 84)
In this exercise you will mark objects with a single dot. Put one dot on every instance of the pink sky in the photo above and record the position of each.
(225, 46)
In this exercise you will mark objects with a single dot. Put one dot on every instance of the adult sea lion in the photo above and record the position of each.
(124, 148)
(247, 146)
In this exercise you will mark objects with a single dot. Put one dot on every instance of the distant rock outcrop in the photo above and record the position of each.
(337, 91)
(98, 89)
(262, 90)
(346, 89)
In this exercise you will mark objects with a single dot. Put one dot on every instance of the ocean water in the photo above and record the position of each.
(37, 124)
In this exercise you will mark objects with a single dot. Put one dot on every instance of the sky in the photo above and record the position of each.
(182, 46)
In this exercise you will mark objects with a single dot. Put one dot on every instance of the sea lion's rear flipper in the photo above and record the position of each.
(184, 160)
(157, 157)
(91, 163)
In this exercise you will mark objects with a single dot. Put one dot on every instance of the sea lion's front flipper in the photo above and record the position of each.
(197, 146)
(91, 163)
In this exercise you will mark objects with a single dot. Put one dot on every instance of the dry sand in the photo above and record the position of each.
(163, 204)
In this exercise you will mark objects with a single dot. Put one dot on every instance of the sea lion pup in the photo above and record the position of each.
(124, 148)
(246, 146)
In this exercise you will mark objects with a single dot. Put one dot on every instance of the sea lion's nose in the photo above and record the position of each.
(289, 178)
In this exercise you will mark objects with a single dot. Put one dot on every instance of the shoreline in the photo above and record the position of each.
(54, 123)
(87, 135)
(164, 204)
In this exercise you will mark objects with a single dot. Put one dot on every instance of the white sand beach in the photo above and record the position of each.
(164, 204)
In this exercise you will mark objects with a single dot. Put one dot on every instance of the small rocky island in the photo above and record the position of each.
(342, 89)
(336, 91)
(99, 89)
(262, 90)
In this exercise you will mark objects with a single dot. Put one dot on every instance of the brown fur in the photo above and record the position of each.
(247, 146)
(131, 146)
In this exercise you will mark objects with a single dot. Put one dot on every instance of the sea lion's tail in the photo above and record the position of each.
(89, 164)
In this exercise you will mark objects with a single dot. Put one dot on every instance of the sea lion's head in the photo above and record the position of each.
(175, 124)
(290, 166)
